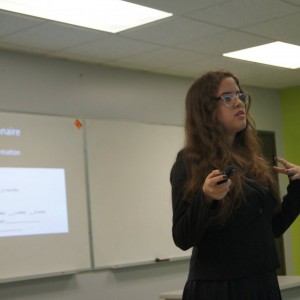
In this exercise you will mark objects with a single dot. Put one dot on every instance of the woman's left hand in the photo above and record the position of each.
(292, 170)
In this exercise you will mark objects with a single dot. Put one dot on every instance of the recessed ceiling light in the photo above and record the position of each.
(106, 15)
(276, 54)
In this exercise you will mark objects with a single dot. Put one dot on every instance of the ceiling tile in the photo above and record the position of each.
(53, 36)
(227, 41)
(204, 65)
(178, 6)
(293, 40)
(294, 2)
(11, 23)
(162, 57)
(172, 31)
(240, 13)
(110, 48)
(280, 29)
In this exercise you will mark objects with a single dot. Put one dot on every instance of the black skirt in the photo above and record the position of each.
(258, 287)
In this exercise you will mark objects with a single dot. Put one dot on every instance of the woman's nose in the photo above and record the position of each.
(238, 102)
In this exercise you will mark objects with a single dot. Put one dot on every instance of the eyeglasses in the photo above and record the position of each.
(228, 99)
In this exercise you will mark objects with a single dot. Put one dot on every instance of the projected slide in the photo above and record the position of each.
(44, 226)
(32, 201)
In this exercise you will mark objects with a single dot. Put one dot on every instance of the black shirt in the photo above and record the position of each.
(245, 244)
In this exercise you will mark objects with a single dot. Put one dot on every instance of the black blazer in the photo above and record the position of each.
(245, 244)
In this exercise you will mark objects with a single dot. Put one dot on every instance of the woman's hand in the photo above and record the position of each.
(292, 170)
(214, 191)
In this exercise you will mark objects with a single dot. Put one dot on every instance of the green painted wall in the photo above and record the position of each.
(290, 106)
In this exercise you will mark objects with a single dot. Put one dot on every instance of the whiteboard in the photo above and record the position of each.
(43, 213)
(129, 165)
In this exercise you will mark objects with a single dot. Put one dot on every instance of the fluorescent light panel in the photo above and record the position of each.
(105, 15)
(276, 54)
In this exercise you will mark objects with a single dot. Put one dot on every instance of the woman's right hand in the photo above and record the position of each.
(214, 191)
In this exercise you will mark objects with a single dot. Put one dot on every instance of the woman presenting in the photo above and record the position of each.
(229, 221)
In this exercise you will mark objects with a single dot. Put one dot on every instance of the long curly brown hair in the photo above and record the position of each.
(206, 148)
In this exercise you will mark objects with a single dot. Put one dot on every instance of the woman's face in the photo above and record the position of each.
(232, 118)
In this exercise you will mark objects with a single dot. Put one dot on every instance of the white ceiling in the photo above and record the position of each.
(186, 44)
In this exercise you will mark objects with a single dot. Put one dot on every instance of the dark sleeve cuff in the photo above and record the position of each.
(294, 188)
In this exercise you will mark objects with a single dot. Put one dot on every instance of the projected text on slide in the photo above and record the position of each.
(32, 201)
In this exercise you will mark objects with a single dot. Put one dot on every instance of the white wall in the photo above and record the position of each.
(34, 84)
(47, 86)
